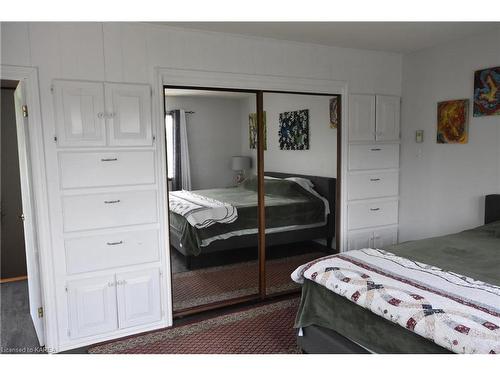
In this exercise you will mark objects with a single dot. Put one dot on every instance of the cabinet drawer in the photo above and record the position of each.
(372, 213)
(373, 184)
(93, 169)
(373, 156)
(85, 254)
(95, 211)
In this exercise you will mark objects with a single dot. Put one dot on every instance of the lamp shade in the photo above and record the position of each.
(241, 163)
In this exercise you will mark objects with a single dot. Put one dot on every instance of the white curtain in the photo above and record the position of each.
(184, 154)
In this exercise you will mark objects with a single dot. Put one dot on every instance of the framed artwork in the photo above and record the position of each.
(487, 92)
(294, 130)
(453, 121)
(252, 130)
(335, 112)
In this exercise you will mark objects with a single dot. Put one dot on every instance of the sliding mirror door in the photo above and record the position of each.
(300, 164)
(213, 205)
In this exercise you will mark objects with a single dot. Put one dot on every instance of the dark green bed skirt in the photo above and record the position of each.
(321, 307)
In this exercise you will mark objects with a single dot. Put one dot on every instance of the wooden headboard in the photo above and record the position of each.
(491, 208)
(325, 186)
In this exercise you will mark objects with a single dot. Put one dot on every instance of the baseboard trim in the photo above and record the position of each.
(12, 279)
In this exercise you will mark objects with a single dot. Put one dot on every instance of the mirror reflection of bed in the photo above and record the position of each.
(213, 200)
(301, 151)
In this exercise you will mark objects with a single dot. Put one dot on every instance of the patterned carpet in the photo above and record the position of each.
(214, 284)
(265, 329)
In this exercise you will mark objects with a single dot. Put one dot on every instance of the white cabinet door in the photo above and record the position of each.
(385, 237)
(359, 240)
(92, 306)
(139, 300)
(79, 112)
(128, 108)
(361, 118)
(387, 122)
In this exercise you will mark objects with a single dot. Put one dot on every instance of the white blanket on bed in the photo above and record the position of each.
(454, 311)
(201, 211)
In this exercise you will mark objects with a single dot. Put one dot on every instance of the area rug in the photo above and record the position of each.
(265, 329)
(214, 284)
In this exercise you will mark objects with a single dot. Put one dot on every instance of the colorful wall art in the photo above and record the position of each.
(452, 121)
(294, 130)
(252, 130)
(487, 92)
(334, 112)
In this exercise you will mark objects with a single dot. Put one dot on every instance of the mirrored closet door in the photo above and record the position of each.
(213, 197)
(300, 170)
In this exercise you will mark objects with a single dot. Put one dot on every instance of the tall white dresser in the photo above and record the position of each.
(107, 232)
(373, 171)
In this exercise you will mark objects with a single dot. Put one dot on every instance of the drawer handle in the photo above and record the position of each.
(112, 202)
(375, 149)
(109, 159)
(374, 179)
(114, 243)
(375, 209)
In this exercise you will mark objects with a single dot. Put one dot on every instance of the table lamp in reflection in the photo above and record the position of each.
(240, 164)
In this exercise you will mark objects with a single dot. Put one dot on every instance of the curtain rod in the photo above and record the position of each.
(187, 112)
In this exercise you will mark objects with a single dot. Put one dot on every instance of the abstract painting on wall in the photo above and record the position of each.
(487, 92)
(252, 130)
(294, 130)
(334, 112)
(452, 119)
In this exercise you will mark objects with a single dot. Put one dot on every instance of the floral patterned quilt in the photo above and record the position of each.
(452, 310)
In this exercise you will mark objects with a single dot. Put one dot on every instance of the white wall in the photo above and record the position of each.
(442, 191)
(213, 138)
(320, 159)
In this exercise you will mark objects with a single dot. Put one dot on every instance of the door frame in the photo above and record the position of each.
(41, 228)
(250, 82)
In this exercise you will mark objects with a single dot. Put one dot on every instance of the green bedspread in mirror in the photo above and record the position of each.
(287, 204)
(474, 253)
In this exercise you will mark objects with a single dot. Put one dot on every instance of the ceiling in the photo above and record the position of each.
(402, 37)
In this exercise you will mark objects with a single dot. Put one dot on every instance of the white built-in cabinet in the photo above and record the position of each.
(102, 114)
(103, 304)
(373, 171)
(107, 221)
(374, 118)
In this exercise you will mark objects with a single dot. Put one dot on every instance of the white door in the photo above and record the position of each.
(128, 112)
(139, 300)
(361, 118)
(79, 111)
(387, 122)
(359, 240)
(92, 306)
(30, 239)
(385, 237)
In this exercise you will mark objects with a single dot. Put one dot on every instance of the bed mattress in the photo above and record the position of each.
(288, 207)
(474, 253)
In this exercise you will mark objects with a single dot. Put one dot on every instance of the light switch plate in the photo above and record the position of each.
(419, 136)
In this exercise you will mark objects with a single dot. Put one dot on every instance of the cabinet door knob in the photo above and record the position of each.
(100, 115)
(114, 243)
(112, 202)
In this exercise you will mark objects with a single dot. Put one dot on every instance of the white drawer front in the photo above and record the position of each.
(92, 169)
(107, 210)
(373, 156)
(373, 185)
(85, 254)
(383, 238)
(373, 213)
